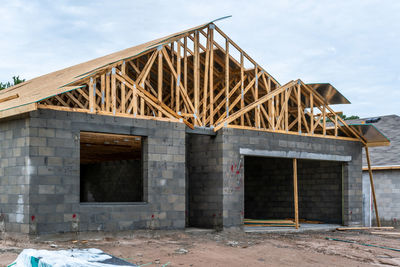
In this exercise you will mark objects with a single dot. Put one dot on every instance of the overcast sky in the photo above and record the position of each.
(354, 45)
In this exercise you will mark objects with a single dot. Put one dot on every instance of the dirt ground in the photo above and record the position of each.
(228, 248)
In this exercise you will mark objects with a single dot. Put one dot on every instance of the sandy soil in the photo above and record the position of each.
(180, 248)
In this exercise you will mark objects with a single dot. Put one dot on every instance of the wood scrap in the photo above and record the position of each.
(386, 233)
(364, 228)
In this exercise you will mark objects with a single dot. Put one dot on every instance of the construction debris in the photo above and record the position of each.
(386, 233)
(362, 244)
(364, 228)
(67, 258)
(269, 223)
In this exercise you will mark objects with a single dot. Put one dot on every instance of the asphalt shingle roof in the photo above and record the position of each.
(386, 155)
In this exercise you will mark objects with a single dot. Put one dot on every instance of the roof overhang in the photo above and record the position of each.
(371, 134)
(329, 93)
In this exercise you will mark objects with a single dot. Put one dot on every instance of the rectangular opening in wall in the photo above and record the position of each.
(269, 190)
(110, 168)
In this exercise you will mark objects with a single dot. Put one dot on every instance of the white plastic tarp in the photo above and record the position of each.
(91, 257)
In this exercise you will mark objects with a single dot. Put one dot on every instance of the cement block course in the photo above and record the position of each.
(61, 155)
(201, 175)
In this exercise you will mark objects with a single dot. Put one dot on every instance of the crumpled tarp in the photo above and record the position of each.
(91, 257)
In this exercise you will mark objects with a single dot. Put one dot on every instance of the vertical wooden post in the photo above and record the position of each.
(211, 29)
(102, 88)
(272, 111)
(205, 86)
(113, 91)
(160, 79)
(123, 94)
(296, 200)
(91, 95)
(312, 112)
(172, 93)
(371, 180)
(336, 125)
(185, 66)
(298, 107)
(134, 99)
(108, 92)
(270, 106)
(178, 70)
(324, 120)
(227, 76)
(286, 110)
(195, 76)
(241, 87)
(257, 110)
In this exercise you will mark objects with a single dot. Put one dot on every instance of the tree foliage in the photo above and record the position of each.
(352, 117)
(15, 80)
(344, 117)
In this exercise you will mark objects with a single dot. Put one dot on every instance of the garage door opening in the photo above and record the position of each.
(111, 168)
(269, 192)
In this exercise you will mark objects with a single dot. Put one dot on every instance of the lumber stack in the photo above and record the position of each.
(269, 223)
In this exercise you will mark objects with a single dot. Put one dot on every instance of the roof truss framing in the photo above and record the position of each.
(202, 78)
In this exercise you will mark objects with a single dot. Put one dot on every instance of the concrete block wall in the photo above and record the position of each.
(204, 161)
(268, 188)
(387, 190)
(40, 153)
(233, 174)
(320, 190)
(52, 150)
(111, 181)
(15, 170)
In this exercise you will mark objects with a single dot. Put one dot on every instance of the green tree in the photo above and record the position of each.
(16, 80)
(352, 117)
(344, 117)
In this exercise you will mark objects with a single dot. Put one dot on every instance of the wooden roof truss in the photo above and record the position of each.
(202, 78)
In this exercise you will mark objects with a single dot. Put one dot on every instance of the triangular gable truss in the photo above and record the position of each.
(194, 79)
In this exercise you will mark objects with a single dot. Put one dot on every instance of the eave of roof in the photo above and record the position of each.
(58, 82)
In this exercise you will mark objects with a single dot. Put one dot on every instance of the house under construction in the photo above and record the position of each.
(185, 130)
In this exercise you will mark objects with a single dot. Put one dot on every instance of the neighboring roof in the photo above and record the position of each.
(57, 82)
(386, 155)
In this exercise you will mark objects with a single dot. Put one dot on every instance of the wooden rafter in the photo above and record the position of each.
(201, 83)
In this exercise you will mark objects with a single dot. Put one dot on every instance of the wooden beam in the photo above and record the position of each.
(253, 105)
(160, 79)
(196, 74)
(227, 77)
(172, 84)
(298, 107)
(179, 79)
(211, 86)
(371, 180)
(312, 112)
(18, 110)
(108, 94)
(91, 95)
(182, 90)
(382, 168)
(257, 110)
(123, 93)
(113, 91)
(11, 97)
(206, 72)
(103, 90)
(321, 99)
(296, 196)
(241, 86)
(145, 95)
